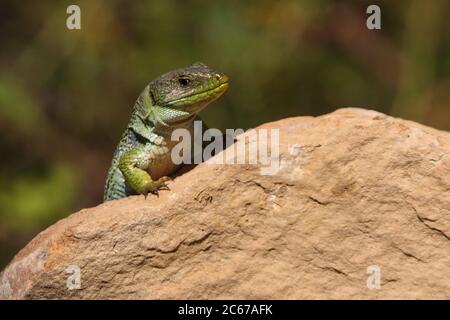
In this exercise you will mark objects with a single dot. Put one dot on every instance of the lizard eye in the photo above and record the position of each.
(183, 81)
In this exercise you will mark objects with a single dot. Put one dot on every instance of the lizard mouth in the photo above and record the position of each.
(193, 103)
(203, 96)
(217, 91)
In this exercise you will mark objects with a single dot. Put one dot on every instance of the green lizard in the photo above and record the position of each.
(142, 160)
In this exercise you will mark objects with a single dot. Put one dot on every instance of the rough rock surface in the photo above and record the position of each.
(355, 189)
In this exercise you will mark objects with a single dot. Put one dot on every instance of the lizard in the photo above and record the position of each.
(142, 163)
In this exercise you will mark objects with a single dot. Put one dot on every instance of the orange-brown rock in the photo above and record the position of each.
(355, 189)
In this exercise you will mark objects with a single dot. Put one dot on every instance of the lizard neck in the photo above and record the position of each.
(167, 130)
(163, 120)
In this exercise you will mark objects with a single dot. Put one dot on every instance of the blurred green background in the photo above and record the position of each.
(66, 95)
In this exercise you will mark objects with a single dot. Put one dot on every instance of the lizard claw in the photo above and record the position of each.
(157, 185)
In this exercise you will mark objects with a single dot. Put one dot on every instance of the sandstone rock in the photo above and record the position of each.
(355, 189)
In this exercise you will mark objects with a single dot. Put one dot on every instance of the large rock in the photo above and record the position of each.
(356, 191)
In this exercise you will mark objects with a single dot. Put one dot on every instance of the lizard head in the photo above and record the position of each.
(187, 90)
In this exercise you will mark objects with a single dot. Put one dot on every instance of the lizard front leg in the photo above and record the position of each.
(133, 165)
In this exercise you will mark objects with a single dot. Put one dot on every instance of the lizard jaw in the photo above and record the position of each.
(200, 98)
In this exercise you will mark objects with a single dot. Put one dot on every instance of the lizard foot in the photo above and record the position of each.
(157, 185)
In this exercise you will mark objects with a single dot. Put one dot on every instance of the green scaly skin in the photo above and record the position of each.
(142, 161)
